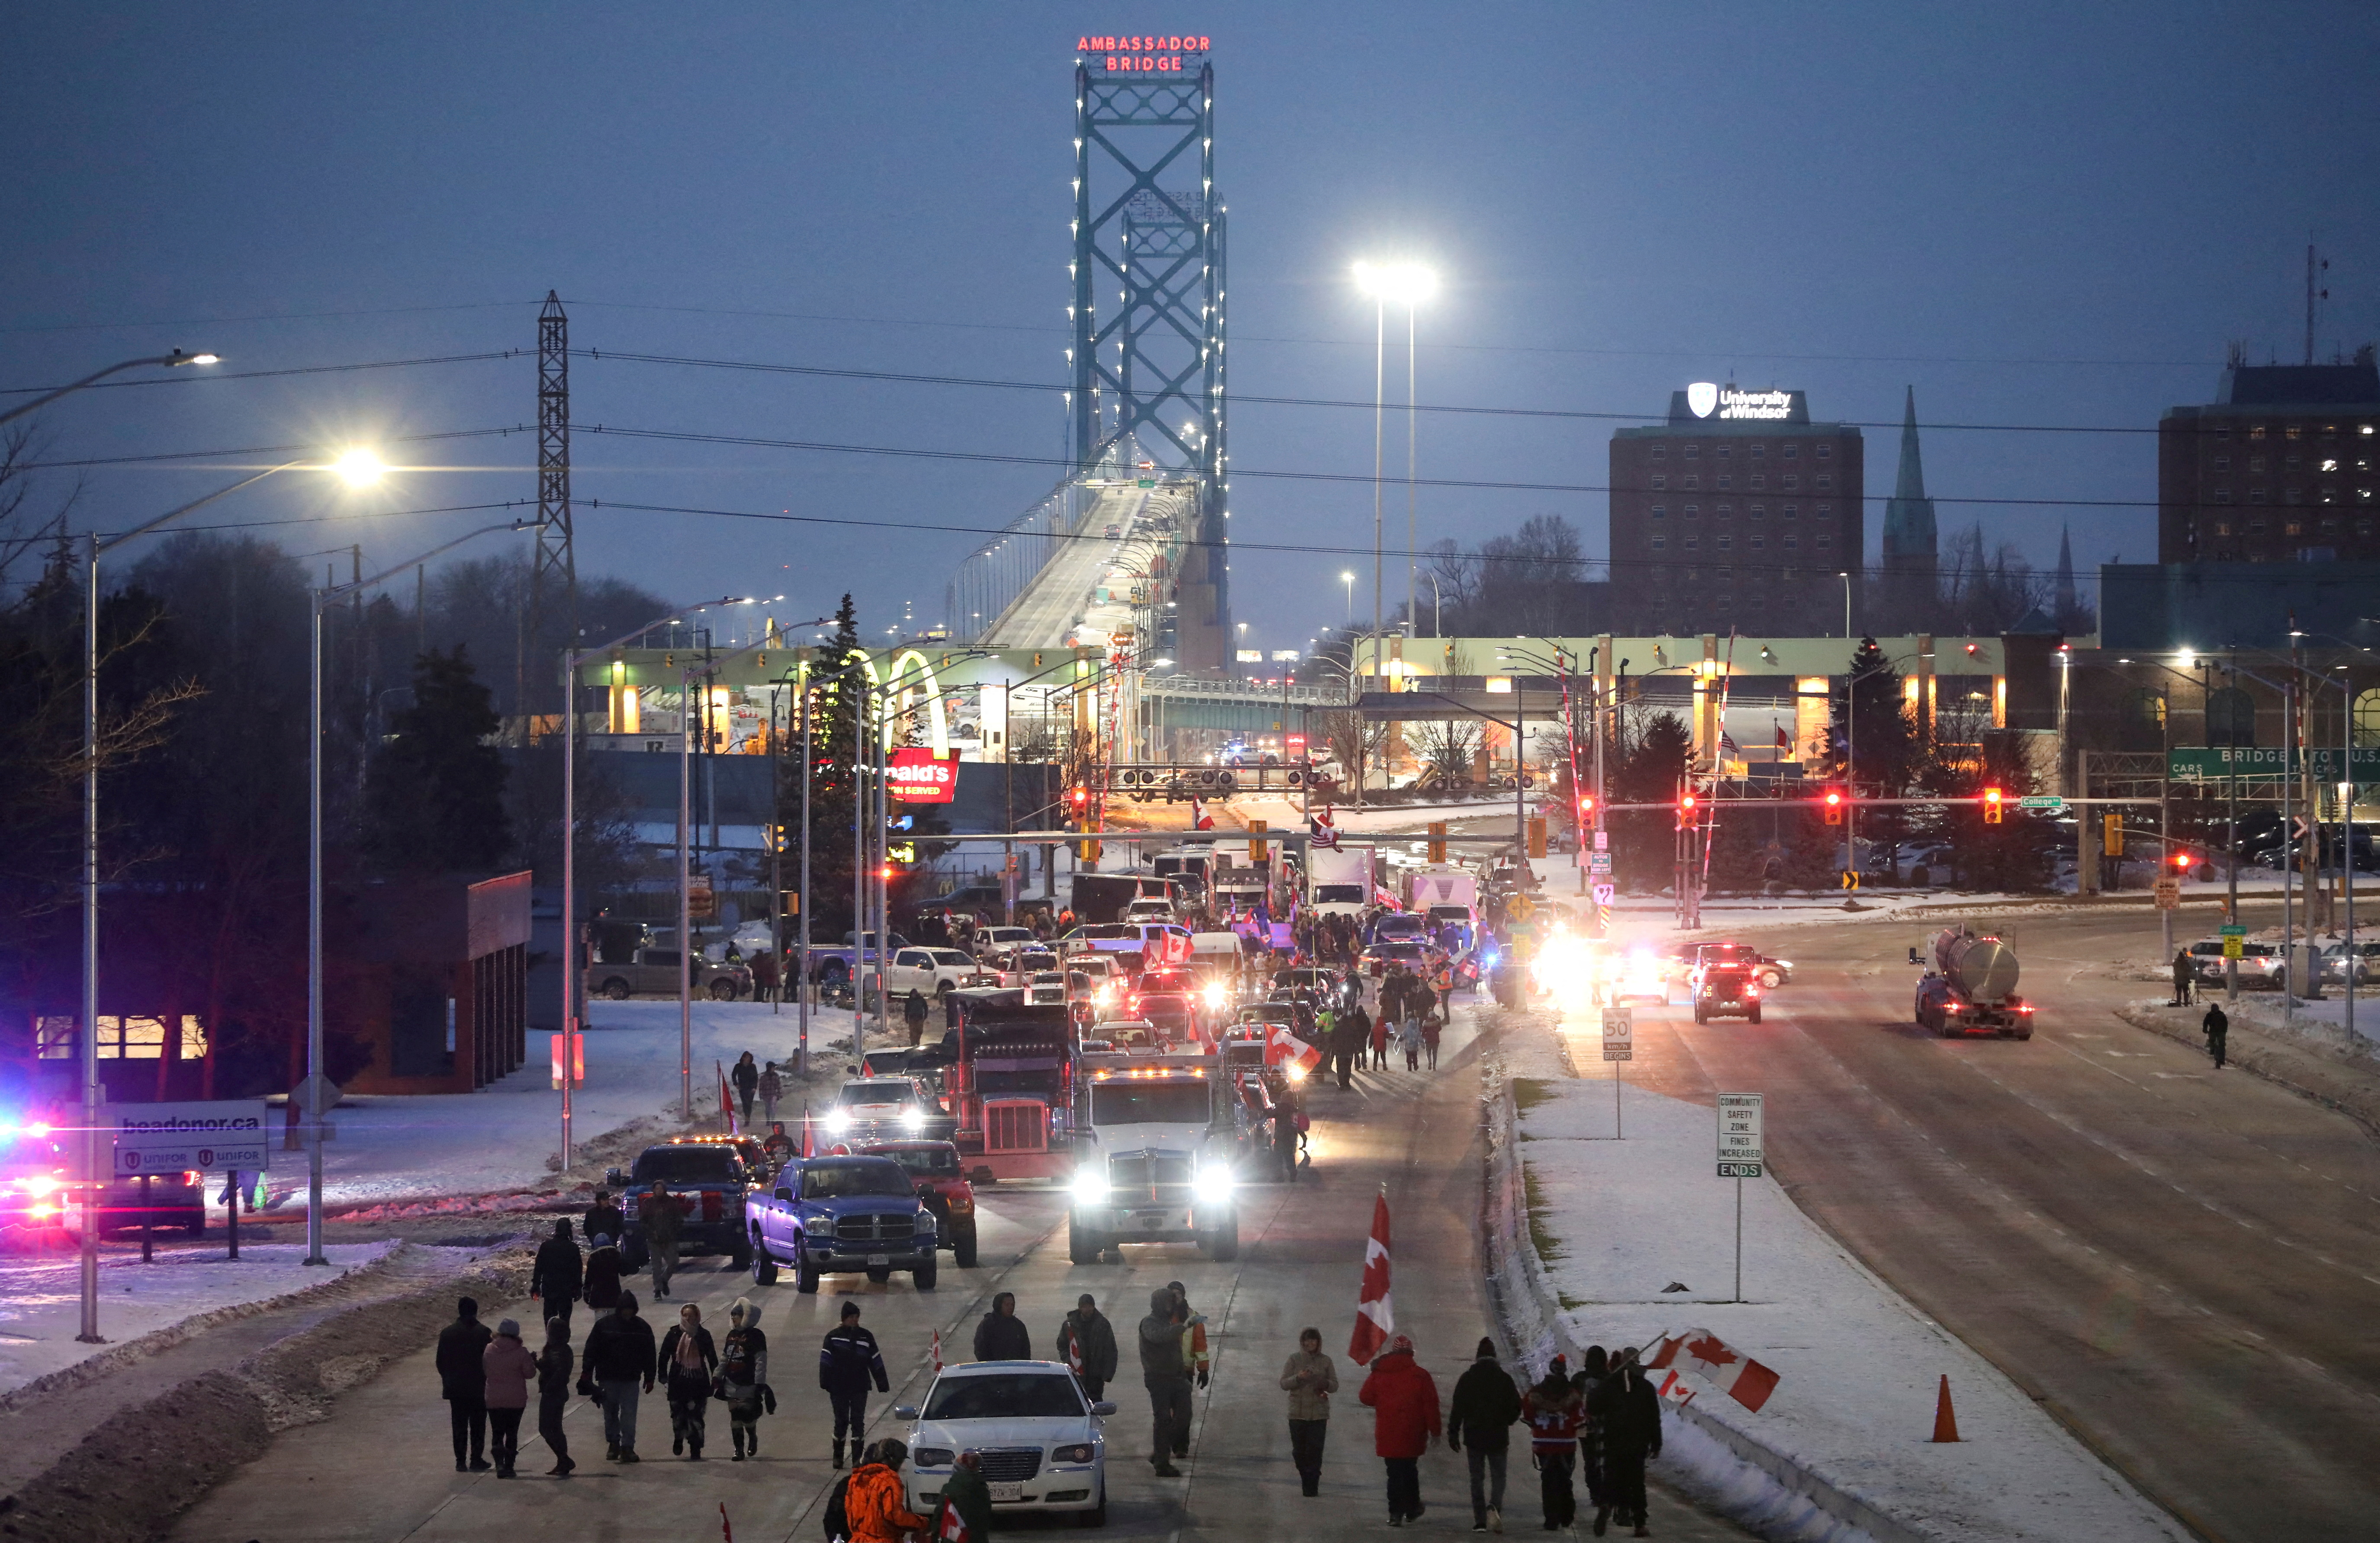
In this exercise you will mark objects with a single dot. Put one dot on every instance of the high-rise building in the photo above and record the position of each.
(2279, 468)
(1737, 512)
(1911, 550)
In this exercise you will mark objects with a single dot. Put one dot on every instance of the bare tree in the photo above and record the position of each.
(1446, 748)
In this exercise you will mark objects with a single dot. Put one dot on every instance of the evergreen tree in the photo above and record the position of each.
(1645, 841)
(834, 698)
(435, 800)
(1890, 746)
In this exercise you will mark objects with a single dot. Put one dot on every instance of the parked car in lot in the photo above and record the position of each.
(1040, 1442)
(941, 1182)
(829, 1215)
(2262, 966)
(654, 972)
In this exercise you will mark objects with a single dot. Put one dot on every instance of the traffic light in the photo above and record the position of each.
(1994, 807)
(2113, 827)
(1079, 800)
(2181, 861)
(1834, 802)
(1585, 810)
(1685, 810)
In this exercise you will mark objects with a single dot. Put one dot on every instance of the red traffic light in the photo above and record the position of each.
(1834, 798)
(2182, 860)
(1587, 805)
(1992, 805)
(1082, 796)
(1686, 801)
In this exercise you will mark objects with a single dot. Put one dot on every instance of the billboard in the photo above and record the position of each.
(917, 775)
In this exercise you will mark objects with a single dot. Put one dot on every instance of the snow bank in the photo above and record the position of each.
(1842, 1450)
(443, 1145)
(41, 1301)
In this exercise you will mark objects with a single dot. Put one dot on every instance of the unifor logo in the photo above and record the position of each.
(1703, 396)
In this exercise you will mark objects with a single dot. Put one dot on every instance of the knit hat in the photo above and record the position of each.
(602, 1240)
(1401, 1345)
(508, 1329)
(1487, 1351)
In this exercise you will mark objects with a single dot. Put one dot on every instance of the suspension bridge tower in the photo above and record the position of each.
(1147, 350)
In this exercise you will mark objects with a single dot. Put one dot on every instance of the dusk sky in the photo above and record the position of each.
(2045, 215)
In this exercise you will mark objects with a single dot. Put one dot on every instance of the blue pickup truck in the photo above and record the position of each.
(708, 1179)
(828, 1215)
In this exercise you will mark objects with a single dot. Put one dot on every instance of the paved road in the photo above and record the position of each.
(380, 1469)
(1061, 594)
(2183, 1264)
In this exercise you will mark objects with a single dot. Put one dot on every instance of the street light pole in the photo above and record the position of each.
(163, 361)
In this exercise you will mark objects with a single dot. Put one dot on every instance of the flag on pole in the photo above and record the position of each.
(952, 1527)
(1715, 1362)
(1784, 741)
(724, 1530)
(809, 1141)
(726, 1103)
(1727, 746)
(938, 1350)
(1673, 1390)
(1200, 818)
(1375, 1319)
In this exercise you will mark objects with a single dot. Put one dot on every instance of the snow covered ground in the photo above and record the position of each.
(41, 1300)
(1631, 1220)
(499, 1139)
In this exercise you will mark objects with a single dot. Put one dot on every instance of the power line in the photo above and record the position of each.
(1559, 414)
(273, 450)
(270, 316)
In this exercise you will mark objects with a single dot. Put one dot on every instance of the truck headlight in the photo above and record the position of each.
(1091, 1186)
(914, 1118)
(838, 1120)
(1213, 1184)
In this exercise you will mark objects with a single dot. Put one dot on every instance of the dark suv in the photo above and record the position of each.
(707, 1181)
(1727, 988)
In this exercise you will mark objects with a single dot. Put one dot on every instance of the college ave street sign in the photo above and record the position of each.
(2051, 803)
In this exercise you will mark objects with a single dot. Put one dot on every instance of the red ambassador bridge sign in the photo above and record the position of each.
(1134, 55)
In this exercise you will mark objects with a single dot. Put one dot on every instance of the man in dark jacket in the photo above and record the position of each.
(913, 1014)
(848, 1360)
(618, 1363)
(599, 1287)
(2217, 1025)
(1481, 1415)
(1087, 1343)
(1627, 1415)
(1166, 1374)
(658, 1214)
(603, 1218)
(1001, 1335)
(463, 1382)
(556, 1276)
(2185, 975)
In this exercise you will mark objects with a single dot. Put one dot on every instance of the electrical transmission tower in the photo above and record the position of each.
(1149, 375)
(557, 565)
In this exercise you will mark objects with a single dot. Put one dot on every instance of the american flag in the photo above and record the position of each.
(1727, 750)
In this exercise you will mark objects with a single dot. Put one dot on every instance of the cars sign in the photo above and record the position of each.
(918, 775)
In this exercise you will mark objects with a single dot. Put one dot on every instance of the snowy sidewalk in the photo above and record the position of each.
(1622, 1222)
(501, 1139)
(41, 1300)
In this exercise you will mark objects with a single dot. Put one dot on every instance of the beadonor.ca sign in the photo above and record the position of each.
(917, 775)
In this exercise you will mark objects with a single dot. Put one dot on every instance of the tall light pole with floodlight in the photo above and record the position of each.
(1411, 283)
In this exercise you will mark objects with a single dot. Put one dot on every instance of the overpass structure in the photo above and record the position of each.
(1130, 551)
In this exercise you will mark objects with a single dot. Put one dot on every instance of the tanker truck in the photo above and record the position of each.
(1970, 987)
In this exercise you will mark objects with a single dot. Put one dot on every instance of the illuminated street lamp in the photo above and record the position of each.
(1408, 283)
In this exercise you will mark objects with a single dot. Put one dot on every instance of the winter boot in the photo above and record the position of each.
(735, 1434)
(612, 1453)
(752, 1438)
(838, 1451)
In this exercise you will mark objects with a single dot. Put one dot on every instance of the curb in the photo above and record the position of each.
(2268, 1052)
(1724, 1466)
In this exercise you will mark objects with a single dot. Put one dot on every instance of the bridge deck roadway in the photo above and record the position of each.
(378, 1468)
(1058, 598)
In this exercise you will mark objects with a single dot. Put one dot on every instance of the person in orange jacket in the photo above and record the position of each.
(1404, 1401)
(874, 1502)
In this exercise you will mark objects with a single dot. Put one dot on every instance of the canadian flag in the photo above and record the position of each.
(954, 1528)
(726, 1103)
(1287, 1049)
(1673, 1390)
(1200, 818)
(1325, 834)
(1716, 1362)
(938, 1350)
(1375, 1319)
(809, 1135)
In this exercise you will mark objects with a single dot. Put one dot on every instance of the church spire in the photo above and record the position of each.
(1910, 485)
(2065, 573)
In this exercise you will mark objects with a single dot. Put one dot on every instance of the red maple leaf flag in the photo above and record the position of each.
(954, 1528)
(1726, 1369)
(726, 1100)
(1375, 1319)
(1200, 818)
(1287, 1048)
(1673, 1390)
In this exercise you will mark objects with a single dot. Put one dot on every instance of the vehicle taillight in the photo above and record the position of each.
(1950, 1007)
(2024, 1007)
(192, 1176)
(1750, 991)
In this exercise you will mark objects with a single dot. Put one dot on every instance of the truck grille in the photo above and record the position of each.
(875, 1228)
(1010, 1465)
(1019, 1126)
(1164, 1179)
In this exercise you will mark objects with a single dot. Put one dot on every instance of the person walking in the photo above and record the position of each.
(604, 1218)
(1553, 1409)
(966, 1492)
(1403, 1400)
(1194, 1340)
(507, 1366)
(1163, 1373)
(874, 1500)
(773, 1087)
(658, 1211)
(1380, 1040)
(690, 1359)
(1432, 1028)
(558, 1273)
(1309, 1378)
(554, 1366)
(615, 1365)
(1409, 1041)
(1359, 1025)
(1001, 1335)
(600, 1288)
(2217, 1027)
(2184, 977)
(463, 1382)
(764, 976)
(913, 1014)
(746, 1078)
(743, 1377)
(1594, 1366)
(1087, 1343)
(1479, 1419)
(848, 1361)
(1628, 1416)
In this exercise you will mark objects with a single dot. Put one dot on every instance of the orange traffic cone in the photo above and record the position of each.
(1945, 1421)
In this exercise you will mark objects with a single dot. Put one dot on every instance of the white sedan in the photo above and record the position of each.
(1038, 1438)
